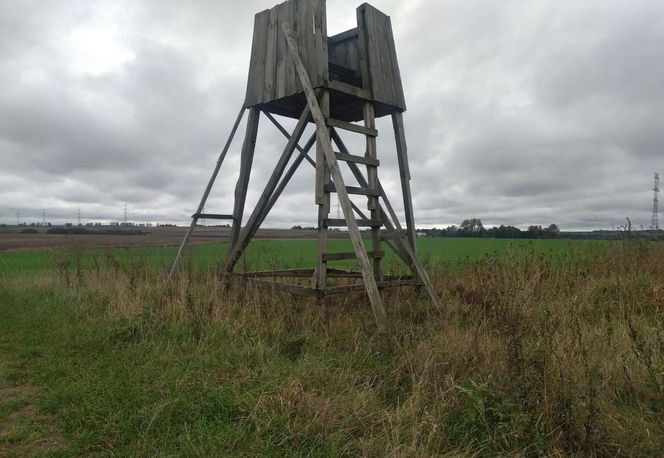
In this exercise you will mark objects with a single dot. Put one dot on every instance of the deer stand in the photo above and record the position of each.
(332, 82)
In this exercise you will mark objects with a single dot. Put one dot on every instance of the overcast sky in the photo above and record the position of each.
(519, 112)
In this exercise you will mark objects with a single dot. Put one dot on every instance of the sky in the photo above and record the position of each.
(519, 112)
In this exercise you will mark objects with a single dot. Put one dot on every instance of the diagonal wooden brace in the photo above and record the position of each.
(344, 201)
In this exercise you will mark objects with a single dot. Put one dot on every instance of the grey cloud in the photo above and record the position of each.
(519, 112)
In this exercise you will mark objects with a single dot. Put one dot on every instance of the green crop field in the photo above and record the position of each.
(543, 347)
(265, 254)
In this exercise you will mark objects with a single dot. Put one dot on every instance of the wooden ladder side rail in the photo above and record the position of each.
(254, 220)
(206, 193)
(372, 177)
(396, 245)
(344, 201)
(246, 159)
(304, 155)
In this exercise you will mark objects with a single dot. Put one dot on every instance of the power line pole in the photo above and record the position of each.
(79, 216)
(43, 217)
(18, 214)
(654, 224)
(125, 214)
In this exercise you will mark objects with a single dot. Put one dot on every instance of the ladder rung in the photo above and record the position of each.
(352, 127)
(211, 216)
(357, 159)
(350, 255)
(340, 222)
(359, 191)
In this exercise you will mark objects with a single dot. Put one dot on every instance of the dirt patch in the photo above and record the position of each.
(166, 236)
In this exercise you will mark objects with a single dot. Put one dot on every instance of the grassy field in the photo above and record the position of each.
(544, 348)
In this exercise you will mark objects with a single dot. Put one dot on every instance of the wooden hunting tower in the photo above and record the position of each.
(297, 71)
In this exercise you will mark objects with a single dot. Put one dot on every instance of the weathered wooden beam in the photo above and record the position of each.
(211, 216)
(354, 190)
(351, 127)
(206, 193)
(344, 201)
(358, 159)
(404, 173)
(254, 221)
(359, 287)
(246, 159)
(349, 89)
(351, 255)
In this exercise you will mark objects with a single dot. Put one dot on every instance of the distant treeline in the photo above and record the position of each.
(474, 228)
(83, 230)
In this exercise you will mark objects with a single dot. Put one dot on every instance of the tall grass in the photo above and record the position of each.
(532, 356)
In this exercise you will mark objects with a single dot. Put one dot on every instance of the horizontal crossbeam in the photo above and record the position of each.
(211, 216)
(331, 122)
(358, 191)
(360, 286)
(357, 159)
(350, 255)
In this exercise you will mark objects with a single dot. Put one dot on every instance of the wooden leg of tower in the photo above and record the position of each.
(404, 172)
(323, 202)
(372, 178)
(246, 160)
(260, 211)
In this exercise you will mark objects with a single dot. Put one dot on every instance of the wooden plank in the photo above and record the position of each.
(351, 127)
(283, 55)
(362, 51)
(398, 248)
(277, 273)
(344, 201)
(298, 290)
(246, 159)
(404, 174)
(239, 243)
(256, 76)
(351, 255)
(319, 279)
(269, 90)
(399, 98)
(361, 222)
(211, 216)
(320, 42)
(354, 190)
(346, 88)
(262, 24)
(357, 159)
(319, 197)
(360, 287)
(372, 178)
(206, 193)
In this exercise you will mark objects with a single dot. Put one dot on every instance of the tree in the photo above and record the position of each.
(471, 227)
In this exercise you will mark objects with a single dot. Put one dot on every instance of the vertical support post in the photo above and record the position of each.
(372, 178)
(245, 171)
(206, 193)
(323, 202)
(404, 172)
